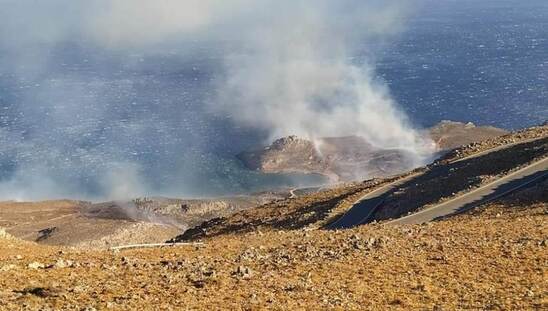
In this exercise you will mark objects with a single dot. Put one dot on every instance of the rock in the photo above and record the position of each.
(198, 283)
(243, 272)
(346, 158)
(4, 234)
(355, 237)
(45, 233)
(36, 265)
(8, 267)
(212, 274)
(60, 263)
(78, 289)
(42, 292)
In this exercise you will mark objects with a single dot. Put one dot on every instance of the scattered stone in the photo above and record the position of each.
(36, 265)
(4, 234)
(42, 292)
(198, 283)
(45, 233)
(78, 289)
(60, 263)
(8, 267)
(243, 272)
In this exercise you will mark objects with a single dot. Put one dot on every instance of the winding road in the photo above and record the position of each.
(361, 211)
(366, 205)
(526, 176)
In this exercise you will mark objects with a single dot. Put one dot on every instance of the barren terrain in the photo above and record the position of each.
(143, 220)
(492, 258)
(434, 183)
(276, 256)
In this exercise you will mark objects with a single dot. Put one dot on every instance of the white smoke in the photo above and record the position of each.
(123, 23)
(297, 75)
(289, 68)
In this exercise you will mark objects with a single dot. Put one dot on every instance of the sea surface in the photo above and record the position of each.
(143, 120)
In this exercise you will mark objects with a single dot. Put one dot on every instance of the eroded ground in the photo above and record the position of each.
(103, 225)
(492, 258)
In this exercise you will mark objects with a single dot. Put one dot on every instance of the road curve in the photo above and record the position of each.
(366, 205)
(530, 174)
(362, 209)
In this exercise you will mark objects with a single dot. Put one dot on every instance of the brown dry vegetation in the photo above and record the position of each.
(71, 224)
(309, 210)
(493, 258)
(520, 136)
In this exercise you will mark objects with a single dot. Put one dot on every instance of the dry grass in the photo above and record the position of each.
(492, 258)
(308, 211)
(495, 142)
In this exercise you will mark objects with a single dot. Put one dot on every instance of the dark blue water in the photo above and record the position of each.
(90, 112)
(480, 61)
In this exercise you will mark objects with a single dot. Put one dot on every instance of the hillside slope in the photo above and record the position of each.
(431, 184)
(271, 257)
(492, 258)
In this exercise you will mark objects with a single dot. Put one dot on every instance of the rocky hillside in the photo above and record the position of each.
(429, 185)
(274, 256)
(492, 258)
(352, 158)
(107, 224)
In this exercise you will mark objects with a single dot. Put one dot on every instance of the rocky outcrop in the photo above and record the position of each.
(339, 158)
(288, 154)
(449, 134)
(350, 158)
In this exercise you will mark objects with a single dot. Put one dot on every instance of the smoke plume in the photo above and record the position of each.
(115, 99)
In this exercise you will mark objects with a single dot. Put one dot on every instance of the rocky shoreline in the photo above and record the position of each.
(353, 158)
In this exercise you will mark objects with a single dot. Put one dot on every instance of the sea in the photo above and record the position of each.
(92, 121)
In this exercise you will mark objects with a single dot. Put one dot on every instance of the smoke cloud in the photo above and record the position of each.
(116, 99)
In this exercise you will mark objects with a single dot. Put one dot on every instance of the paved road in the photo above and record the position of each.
(366, 205)
(503, 186)
(361, 210)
